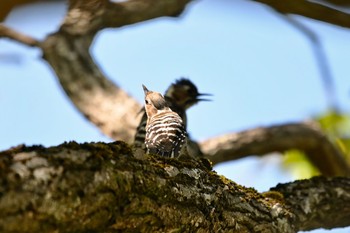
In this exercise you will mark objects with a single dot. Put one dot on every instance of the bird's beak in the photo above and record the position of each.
(145, 89)
(203, 94)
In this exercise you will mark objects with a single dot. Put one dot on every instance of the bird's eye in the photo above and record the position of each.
(146, 101)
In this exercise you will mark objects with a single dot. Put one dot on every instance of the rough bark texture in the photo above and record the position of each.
(101, 187)
(306, 196)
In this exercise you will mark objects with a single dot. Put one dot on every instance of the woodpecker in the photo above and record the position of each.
(182, 95)
(165, 131)
(179, 96)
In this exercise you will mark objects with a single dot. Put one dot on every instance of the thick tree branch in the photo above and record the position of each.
(101, 101)
(260, 141)
(88, 17)
(134, 11)
(102, 187)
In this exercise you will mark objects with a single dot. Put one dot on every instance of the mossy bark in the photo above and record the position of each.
(100, 187)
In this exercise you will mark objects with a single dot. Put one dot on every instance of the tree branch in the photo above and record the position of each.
(101, 101)
(135, 11)
(260, 141)
(316, 202)
(310, 9)
(83, 18)
(6, 32)
(102, 187)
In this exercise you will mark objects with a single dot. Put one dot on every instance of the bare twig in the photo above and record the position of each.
(260, 141)
(6, 32)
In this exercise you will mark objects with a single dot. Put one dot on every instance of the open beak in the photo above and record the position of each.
(203, 94)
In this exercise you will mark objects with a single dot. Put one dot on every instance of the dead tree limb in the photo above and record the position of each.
(101, 187)
(260, 141)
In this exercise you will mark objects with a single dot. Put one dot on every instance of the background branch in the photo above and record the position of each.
(102, 102)
(310, 9)
(6, 32)
(260, 141)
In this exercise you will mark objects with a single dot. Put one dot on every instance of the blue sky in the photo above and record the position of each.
(260, 70)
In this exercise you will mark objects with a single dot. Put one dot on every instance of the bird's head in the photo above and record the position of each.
(154, 102)
(184, 93)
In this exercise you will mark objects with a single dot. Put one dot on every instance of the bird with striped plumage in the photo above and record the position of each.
(165, 131)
